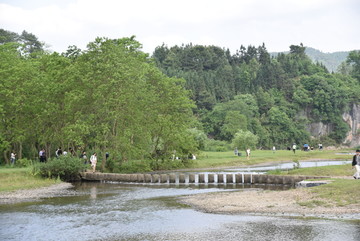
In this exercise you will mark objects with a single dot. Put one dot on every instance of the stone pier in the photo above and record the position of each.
(191, 178)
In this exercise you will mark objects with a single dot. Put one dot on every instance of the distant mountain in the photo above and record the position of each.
(330, 60)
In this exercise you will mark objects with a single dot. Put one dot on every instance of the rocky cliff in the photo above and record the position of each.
(351, 117)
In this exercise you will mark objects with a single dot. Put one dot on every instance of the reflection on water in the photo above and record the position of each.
(104, 211)
(93, 192)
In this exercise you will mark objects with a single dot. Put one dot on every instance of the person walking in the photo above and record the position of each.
(12, 158)
(248, 153)
(356, 164)
(42, 155)
(294, 148)
(58, 152)
(93, 160)
(84, 157)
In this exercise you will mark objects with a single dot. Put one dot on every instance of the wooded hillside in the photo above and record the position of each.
(272, 97)
(112, 97)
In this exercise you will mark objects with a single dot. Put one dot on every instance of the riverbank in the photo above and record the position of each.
(29, 195)
(295, 202)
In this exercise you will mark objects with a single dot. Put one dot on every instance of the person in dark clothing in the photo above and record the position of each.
(42, 155)
(58, 152)
(356, 164)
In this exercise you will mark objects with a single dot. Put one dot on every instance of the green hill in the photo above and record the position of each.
(330, 60)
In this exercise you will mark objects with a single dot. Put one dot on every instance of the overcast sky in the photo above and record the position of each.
(327, 25)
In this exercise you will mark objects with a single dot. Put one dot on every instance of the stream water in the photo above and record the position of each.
(114, 211)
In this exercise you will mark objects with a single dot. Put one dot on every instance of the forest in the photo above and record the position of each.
(274, 98)
(112, 97)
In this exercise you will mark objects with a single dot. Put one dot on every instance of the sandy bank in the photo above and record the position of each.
(298, 202)
(56, 190)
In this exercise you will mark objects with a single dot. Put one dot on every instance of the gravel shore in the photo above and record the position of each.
(295, 202)
(56, 190)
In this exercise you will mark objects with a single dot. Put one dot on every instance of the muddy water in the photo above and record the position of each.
(111, 211)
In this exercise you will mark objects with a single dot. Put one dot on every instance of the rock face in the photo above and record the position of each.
(351, 117)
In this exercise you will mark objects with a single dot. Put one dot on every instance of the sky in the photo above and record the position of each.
(327, 25)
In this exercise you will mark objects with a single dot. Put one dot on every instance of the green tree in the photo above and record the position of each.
(354, 60)
(233, 122)
(244, 139)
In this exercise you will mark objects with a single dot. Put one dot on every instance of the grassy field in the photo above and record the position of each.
(340, 192)
(223, 159)
(20, 178)
(335, 171)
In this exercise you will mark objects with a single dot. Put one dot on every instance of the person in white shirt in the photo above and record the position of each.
(12, 158)
(248, 153)
(93, 160)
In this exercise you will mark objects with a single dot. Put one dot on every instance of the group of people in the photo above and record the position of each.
(247, 151)
(306, 147)
(59, 152)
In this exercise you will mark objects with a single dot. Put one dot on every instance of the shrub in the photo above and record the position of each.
(216, 145)
(135, 167)
(66, 168)
(23, 162)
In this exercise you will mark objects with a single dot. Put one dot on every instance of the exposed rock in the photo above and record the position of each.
(351, 117)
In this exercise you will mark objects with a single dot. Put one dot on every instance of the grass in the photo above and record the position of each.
(223, 159)
(20, 178)
(341, 192)
(336, 170)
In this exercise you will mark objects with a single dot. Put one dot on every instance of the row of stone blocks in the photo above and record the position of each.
(242, 178)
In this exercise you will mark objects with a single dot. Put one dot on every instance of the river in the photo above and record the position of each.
(111, 211)
(115, 211)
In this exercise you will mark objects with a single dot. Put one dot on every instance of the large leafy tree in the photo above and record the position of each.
(109, 98)
(354, 60)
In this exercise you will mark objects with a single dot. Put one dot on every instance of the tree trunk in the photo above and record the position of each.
(20, 151)
(103, 161)
(5, 153)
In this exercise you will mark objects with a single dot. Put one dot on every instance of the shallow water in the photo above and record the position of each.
(112, 211)
(289, 165)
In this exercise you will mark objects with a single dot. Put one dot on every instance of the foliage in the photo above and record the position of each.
(244, 140)
(23, 162)
(112, 97)
(354, 60)
(273, 97)
(109, 97)
(66, 168)
(216, 145)
(135, 167)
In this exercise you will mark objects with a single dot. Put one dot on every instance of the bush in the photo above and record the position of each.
(216, 145)
(66, 168)
(169, 164)
(23, 162)
(135, 167)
